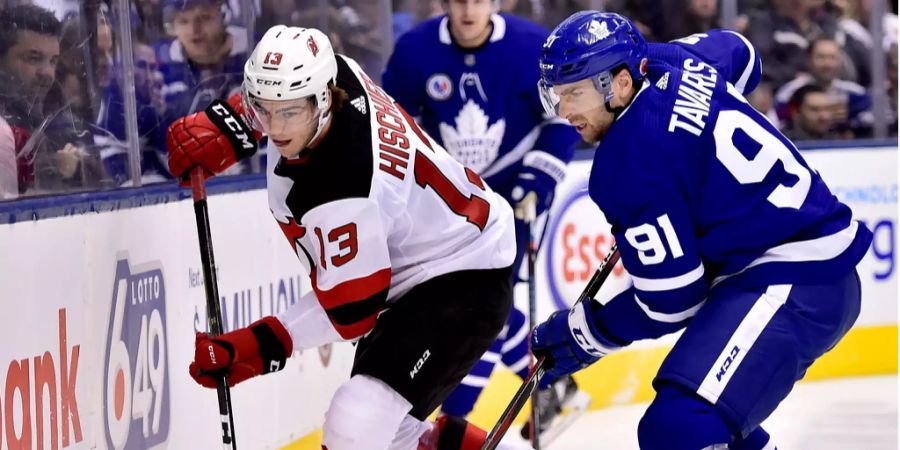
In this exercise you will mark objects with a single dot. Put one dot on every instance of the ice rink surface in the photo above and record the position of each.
(845, 414)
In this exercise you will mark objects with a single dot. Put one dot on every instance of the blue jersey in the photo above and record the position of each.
(731, 54)
(481, 104)
(701, 189)
(188, 88)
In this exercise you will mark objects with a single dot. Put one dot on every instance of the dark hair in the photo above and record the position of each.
(799, 96)
(338, 97)
(815, 42)
(25, 17)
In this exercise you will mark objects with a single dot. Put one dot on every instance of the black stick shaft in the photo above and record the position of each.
(530, 383)
(531, 253)
(213, 311)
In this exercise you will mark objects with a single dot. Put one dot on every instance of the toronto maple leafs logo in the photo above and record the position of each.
(599, 30)
(472, 142)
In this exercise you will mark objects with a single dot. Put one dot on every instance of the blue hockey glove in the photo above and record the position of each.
(540, 173)
(570, 341)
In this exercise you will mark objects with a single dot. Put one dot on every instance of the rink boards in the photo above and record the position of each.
(100, 309)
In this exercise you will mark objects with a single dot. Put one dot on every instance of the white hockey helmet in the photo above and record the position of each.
(290, 63)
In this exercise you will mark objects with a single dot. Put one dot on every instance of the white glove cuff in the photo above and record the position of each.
(581, 331)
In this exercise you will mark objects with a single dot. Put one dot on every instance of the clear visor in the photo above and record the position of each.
(268, 115)
(572, 94)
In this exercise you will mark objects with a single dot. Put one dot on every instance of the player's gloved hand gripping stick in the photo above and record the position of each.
(534, 376)
(213, 311)
(201, 145)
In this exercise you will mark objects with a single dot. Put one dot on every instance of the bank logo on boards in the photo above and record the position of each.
(135, 381)
(44, 414)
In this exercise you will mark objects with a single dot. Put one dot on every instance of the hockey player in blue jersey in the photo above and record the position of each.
(725, 230)
(469, 78)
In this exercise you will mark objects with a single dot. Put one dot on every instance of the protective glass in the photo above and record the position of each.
(268, 116)
(551, 98)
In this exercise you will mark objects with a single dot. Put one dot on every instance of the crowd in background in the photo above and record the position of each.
(65, 87)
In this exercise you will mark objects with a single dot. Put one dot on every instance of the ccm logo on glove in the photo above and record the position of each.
(223, 117)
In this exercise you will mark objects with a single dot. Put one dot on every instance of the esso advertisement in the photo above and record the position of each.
(136, 388)
(578, 239)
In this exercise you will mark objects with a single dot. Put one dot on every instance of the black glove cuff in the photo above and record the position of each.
(271, 351)
(223, 116)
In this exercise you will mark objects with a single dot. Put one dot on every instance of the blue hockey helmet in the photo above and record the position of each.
(589, 45)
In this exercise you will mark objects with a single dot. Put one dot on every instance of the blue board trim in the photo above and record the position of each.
(37, 208)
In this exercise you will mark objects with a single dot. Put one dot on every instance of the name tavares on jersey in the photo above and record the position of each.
(692, 104)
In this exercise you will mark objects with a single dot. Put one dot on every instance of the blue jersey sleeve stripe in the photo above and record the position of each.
(748, 70)
(474, 381)
(669, 317)
(668, 284)
(819, 249)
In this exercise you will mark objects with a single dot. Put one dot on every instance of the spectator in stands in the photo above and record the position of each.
(92, 91)
(149, 15)
(9, 171)
(850, 104)
(892, 88)
(363, 27)
(50, 156)
(205, 61)
(763, 100)
(686, 17)
(407, 13)
(854, 36)
(111, 132)
(782, 35)
(811, 116)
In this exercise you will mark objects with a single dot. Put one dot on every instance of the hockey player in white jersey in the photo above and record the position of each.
(409, 252)
(453, 73)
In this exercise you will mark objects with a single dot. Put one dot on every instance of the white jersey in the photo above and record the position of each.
(379, 207)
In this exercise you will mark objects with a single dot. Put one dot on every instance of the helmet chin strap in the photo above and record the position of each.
(616, 111)
(322, 125)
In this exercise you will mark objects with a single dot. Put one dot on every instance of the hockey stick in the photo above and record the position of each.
(528, 386)
(213, 311)
(527, 212)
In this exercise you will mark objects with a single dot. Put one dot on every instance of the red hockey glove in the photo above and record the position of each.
(261, 348)
(213, 139)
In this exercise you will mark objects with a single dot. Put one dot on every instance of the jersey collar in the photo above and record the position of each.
(644, 86)
(496, 19)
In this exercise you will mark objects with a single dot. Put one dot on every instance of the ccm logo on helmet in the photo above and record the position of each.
(240, 132)
(269, 82)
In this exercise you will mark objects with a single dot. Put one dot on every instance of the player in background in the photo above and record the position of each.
(469, 77)
(726, 231)
(409, 253)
